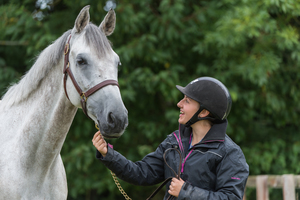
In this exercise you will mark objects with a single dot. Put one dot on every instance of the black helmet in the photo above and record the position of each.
(212, 96)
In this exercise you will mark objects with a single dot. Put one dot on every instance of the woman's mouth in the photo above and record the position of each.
(181, 114)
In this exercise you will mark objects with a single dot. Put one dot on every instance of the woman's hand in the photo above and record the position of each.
(100, 143)
(175, 187)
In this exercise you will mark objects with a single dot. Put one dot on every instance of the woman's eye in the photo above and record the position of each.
(81, 61)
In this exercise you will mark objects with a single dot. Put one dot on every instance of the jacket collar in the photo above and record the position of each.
(215, 134)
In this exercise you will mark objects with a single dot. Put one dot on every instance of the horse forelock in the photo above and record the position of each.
(97, 40)
(48, 58)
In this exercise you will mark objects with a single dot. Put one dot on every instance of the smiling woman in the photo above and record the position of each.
(188, 107)
(213, 166)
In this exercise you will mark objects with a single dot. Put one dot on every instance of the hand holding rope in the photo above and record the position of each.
(115, 178)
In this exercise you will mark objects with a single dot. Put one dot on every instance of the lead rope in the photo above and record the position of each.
(116, 180)
(170, 178)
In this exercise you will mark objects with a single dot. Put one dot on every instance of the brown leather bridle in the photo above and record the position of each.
(83, 95)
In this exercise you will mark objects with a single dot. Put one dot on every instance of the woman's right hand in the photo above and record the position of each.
(100, 143)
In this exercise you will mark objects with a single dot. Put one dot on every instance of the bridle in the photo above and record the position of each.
(83, 95)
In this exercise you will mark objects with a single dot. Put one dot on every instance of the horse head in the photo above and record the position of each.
(91, 72)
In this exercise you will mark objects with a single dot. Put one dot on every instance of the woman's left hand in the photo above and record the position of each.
(175, 187)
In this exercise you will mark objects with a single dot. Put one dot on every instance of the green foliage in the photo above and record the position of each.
(252, 46)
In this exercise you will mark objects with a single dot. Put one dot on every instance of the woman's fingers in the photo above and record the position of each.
(96, 134)
(100, 143)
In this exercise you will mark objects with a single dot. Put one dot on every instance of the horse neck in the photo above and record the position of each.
(49, 115)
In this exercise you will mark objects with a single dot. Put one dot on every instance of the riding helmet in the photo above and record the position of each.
(211, 94)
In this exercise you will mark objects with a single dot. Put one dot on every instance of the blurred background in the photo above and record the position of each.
(252, 46)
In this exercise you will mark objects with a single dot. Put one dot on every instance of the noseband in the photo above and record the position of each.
(83, 95)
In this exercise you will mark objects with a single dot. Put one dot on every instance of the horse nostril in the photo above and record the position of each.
(111, 118)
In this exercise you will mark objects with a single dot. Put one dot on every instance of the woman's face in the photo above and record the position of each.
(188, 107)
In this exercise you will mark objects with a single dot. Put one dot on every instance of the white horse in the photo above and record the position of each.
(36, 113)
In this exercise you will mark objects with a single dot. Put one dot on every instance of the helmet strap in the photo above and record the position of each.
(195, 117)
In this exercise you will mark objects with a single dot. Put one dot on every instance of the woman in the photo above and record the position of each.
(213, 166)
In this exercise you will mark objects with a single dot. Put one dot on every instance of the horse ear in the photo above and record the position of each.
(109, 23)
(82, 19)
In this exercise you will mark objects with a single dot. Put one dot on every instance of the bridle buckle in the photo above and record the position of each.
(66, 48)
(83, 97)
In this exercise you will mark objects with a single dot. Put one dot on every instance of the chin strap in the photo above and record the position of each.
(195, 117)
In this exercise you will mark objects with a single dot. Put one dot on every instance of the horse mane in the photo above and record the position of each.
(50, 57)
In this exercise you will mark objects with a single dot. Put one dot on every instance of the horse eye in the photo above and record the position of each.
(81, 61)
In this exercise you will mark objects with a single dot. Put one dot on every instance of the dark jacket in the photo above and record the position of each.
(213, 169)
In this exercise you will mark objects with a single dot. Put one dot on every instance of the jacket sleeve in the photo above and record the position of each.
(231, 177)
(148, 171)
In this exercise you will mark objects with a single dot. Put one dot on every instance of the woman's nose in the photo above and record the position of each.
(179, 104)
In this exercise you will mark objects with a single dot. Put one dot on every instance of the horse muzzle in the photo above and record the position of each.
(113, 124)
